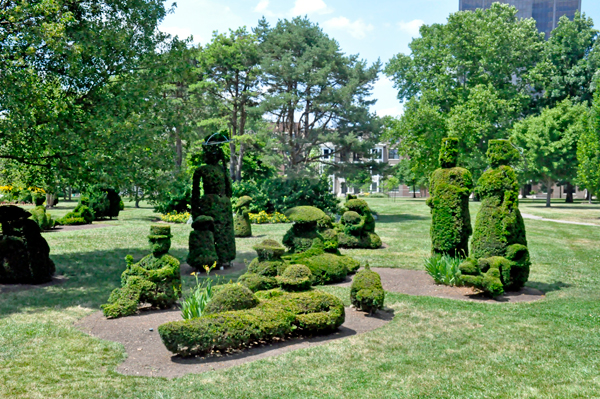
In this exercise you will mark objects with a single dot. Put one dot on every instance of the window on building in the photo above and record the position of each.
(327, 153)
(393, 154)
(344, 188)
(374, 187)
(377, 153)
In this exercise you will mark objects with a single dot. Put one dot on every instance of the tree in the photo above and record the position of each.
(570, 58)
(549, 143)
(588, 151)
(63, 66)
(315, 94)
(230, 72)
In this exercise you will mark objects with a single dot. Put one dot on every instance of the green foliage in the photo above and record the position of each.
(174, 199)
(444, 269)
(24, 253)
(449, 152)
(295, 278)
(310, 224)
(450, 189)
(306, 214)
(325, 267)
(269, 250)
(357, 227)
(281, 315)
(193, 306)
(256, 282)
(487, 274)
(588, 150)
(241, 220)
(366, 291)
(202, 250)
(42, 218)
(175, 217)
(231, 297)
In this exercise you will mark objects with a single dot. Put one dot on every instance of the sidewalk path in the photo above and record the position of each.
(528, 216)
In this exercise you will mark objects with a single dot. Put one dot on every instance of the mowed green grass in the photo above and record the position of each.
(433, 348)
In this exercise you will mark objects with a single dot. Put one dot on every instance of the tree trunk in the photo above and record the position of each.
(569, 191)
(232, 161)
(414, 191)
(589, 196)
(70, 192)
(549, 185)
(137, 197)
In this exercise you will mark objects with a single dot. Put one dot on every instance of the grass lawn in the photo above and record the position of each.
(433, 348)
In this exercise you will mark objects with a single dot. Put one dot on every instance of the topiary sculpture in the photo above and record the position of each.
(231, 297)
(216, 201)
(357, 226)
(155, 279)
(42, 218)
(263, 269)
(310, 223)
(499, 227)
(276, 314)
(202, 250)
(366, 291)
(450, 187)
(241, 222)
(24, 253)
(295, 278)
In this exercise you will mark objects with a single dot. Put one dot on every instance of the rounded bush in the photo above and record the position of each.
(269, 250)
(255, 282)
(241, 225)
(366, 291)
(296, 278)
(306, 214)
(351, 217)
(243, 201)
(231, 297)
(265, 268)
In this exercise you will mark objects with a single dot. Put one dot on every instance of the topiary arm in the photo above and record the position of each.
(196, 211)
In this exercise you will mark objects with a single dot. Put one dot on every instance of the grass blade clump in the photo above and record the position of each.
(444, 269)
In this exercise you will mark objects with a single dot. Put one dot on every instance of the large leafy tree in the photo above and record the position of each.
(588, 151)
(64, 68)
(314, 94)
(549, 143)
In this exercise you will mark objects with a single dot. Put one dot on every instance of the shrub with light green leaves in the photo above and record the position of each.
(366, 291)
(444, 269)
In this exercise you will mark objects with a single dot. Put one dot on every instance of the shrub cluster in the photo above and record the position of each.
(310, 224)
(278, 314)
(366, 291)
(42, 218)
(357, 226)
(24, 253)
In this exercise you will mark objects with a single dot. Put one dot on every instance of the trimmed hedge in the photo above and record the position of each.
(295, 278)
(231, 297)
(280, 314)
(366, 291)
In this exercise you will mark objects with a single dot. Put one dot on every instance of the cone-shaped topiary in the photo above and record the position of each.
(450, 187)
(216, 202)
(155, 279)
(295, 278)
(366, 291)
(241, 221)
(24, 253)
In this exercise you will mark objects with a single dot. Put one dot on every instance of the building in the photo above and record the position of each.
(545, 12)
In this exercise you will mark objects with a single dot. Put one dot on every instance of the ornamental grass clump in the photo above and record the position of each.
(193, 306)
(444, 269)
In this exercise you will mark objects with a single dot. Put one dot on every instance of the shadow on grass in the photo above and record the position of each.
(399, 218)
(545, 288)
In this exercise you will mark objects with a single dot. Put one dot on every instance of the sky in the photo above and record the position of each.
(375, 29)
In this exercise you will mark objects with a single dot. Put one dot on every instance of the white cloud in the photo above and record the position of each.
(304, 7)
(358, 29)
(412, 27)
(261, 6)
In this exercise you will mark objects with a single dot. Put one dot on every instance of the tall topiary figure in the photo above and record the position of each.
(216, 201)
(241, 221)
(450, 187)
(24, 253)
(500, 258)
(357, 226)
(155, 279)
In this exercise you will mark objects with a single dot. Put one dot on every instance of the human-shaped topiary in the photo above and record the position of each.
(366, 291)
(24, 253)
(309, 223)
(450, 187)
(202, 250)
(216, 201)
(241, 221)
(499, 227)
(155, 279)
(264, 268)
(357, 226)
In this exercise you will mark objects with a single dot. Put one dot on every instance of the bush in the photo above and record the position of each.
(269, 250)
(296, 278)
(310, 224)
(486, 274)
(177, 198)
(42, 218)
(357, 226)
(202, 250)
(444, 269)
(175, 217)
(325, 267)
(231, 297)
(281, 314)
(256, 282)
(366, 291)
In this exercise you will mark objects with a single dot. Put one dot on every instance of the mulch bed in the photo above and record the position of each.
(58, 229)
(147, 356)
(418, 282)
(6, 288)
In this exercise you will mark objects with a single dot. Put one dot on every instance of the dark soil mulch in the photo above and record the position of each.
(58, 229)
(418, 282)
(6, 288)
(147, 356)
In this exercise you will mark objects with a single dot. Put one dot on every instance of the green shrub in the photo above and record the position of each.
(281, 315)
(256, 282)
(42, 218)
(366, 291)
(202, 250)
(82, 214)
(295, 278)
(269, 250)
(325, 267)
(357, 226)
(231, 297)
(449, 152)
(486, 274)
(310, 223)
(444, 269)
(241, 220)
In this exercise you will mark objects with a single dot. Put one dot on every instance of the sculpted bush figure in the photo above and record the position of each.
(215, 203)
(242, 226)
(357, 226)
(449, 202)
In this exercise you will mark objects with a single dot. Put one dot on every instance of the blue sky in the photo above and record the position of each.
(374, 29)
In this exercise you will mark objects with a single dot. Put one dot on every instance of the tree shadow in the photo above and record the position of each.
(400, 218)
(545, 287)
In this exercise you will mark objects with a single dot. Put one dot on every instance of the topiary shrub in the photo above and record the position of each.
(155, 279)
(357, 226)
(269, 250)
(487, 274)
(256, 282)
(366, 291)
(231, 297)
(82, 214)
(24, 253)
(450, 187)
(310, 223)
(202, 243)
(42, 218)
(279, 314)
(263, 269)
(295, 278)
(241, 221)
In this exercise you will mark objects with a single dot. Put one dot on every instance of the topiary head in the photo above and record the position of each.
(212, 150)
(501, 152)
(269, 250)
(160, 239)
(231, 297)
(307, 215)
(296, 278)
(203, 223)
(357, 205)
(449, 152)
(243, 201)
(351, 217)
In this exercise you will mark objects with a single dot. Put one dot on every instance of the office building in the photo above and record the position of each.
(545, 12)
